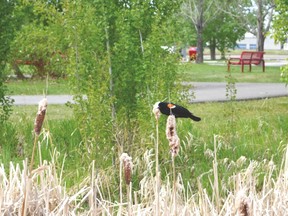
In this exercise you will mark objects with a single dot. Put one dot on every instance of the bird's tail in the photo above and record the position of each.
(195, 118)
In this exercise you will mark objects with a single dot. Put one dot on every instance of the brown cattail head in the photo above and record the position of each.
(242, 203)
(40, 116)
(171, 134)
(156, 111)
(128, 165)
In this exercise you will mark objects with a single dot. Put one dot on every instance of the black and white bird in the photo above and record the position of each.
(176, 110)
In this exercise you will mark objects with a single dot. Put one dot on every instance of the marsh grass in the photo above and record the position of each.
(211, 171)
(240, 194)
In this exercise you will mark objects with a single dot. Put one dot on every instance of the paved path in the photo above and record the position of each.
(203, 92)
(209, 92)
(34, 99)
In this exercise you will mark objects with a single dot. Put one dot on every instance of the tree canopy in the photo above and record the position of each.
(280, 26)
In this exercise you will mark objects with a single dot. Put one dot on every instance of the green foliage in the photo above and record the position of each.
(280, 22)
(118, 63)
(284, 74)
(39, 40)
(280, 25)
(223, 32)
(6, 104)
(7, 32)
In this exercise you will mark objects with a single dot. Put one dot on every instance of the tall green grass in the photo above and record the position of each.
(257, 130)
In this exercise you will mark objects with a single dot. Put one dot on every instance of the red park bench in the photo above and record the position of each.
(39, 63)
(248, 58)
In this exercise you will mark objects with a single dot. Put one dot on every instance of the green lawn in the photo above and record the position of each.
(38, 87)
(217, 73)
(187, 72)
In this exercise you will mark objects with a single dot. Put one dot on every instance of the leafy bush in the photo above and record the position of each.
(38, 42)
(118, 63)
(284, 74)
(6, 104)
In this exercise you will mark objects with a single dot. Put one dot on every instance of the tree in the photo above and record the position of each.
(265, 10)
(280, 26)
(38, 42)
(254, 15)
(222, 33)
(199, 13)
(7, 30)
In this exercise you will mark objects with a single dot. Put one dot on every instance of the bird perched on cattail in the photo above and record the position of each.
(174, 109)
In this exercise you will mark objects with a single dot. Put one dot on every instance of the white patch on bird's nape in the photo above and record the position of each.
(156, 105)
(156, 110)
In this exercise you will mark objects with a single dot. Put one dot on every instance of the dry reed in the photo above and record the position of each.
(157, 114)
(48, 197)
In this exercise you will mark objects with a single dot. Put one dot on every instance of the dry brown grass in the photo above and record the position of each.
(46, 193)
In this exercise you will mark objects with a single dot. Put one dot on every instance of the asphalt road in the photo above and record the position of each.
(212, 92)
(203, 92)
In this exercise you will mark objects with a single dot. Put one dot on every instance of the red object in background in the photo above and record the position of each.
(192, 53)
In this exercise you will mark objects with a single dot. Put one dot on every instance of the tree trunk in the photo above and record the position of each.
(223, 57)
(260, 27)
(212, 49)
(18, 72)
(199, 58)
(199, 27)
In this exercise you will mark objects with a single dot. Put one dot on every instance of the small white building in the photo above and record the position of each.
(250, 43)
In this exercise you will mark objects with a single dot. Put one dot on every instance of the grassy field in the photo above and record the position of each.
(217, 73)
(38, 87)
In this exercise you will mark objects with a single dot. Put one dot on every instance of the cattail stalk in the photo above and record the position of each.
(174, 211)
(26, 191)
(174, 143)
(157, 114)
(215, 171)
(38, 125)
(120, 186)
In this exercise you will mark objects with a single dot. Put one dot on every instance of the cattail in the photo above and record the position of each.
(127, 164)
(156, 111)
(171, 134)
(242, 203)
(40, 116)
(38, 125)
